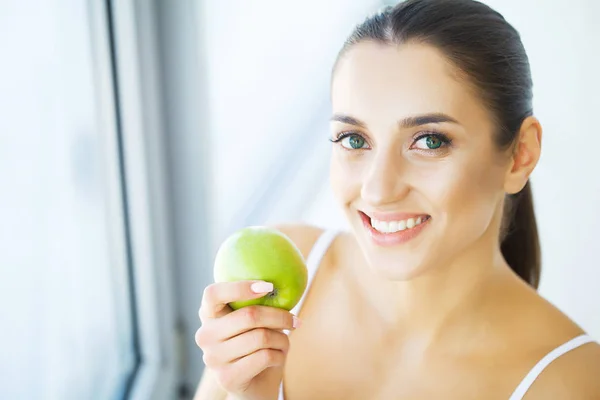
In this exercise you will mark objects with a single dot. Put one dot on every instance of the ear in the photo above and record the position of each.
(525, 155)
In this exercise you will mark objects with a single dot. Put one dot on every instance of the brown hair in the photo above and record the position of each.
(520, 241)
(489, 52)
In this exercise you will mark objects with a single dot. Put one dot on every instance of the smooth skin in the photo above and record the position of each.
(440, 316)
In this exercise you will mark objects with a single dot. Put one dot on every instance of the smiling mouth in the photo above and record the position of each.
(400, 225)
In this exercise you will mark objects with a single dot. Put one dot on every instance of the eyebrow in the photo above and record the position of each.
(405, 123)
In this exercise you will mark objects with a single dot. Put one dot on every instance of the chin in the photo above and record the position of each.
(395, 269)
(391, 263)
(400, 261)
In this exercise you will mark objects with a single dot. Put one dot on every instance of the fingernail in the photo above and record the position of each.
(296, 322)
(261, 287)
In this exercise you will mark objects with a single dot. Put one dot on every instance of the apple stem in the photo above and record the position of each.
(272, 293)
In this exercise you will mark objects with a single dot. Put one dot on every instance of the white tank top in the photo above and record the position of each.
(319, 250)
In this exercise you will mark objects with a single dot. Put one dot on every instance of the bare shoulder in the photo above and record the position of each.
(304, 236)
(539, 328)
(574, 375)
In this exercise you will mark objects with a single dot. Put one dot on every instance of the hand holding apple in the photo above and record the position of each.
(244, 350)
(243, 343)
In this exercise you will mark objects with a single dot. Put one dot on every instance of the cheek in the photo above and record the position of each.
(464, 196)
(345, 178)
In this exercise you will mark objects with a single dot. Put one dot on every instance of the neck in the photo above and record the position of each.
(441, 299)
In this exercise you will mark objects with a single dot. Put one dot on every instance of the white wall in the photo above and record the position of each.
(268, 66)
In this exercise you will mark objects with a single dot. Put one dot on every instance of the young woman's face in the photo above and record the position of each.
(414, 165)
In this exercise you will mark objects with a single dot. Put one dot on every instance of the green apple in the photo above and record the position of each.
(261, 253)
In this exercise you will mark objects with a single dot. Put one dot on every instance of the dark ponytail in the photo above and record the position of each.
(520, 242)
(489, 53)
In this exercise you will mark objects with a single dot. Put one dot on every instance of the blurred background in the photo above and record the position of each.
(136, 135)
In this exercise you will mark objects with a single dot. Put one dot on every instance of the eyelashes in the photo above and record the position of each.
(433, 141)
(426, 141)
(351, 141)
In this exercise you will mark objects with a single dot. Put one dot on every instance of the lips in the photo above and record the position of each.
(393, 229)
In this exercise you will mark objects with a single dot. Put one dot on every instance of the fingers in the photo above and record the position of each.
(237, 376)
(253, 317)
(244, 345)
(218, 295)
(243, 320)
(239, 345)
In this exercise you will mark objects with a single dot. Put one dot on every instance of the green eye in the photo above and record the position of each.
(433, 142)
(354, 142)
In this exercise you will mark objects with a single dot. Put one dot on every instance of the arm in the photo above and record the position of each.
(209, 389)
(304, 237)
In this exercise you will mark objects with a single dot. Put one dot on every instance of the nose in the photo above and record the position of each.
(385, 182)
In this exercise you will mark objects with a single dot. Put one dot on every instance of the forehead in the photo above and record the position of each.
(375, 80)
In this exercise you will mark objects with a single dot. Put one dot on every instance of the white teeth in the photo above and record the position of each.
(401, 225)
(385, 227)
(396, 226)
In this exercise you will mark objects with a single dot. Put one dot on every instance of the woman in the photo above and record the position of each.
(432, 294)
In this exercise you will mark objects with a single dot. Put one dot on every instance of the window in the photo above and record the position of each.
(86, 304)
(71, 330)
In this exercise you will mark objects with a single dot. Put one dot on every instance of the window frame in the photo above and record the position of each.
(125, 48)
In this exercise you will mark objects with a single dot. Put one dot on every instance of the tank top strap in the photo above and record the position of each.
(538, 368)
(314, 259)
